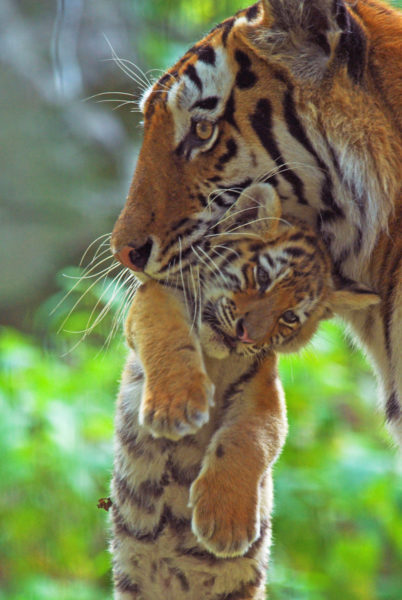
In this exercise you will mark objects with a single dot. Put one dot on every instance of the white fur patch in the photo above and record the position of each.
(145, 97)
(217, 80)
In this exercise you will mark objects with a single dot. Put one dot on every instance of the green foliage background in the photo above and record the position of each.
(337, 526)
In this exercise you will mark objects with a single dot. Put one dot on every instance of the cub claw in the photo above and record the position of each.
(224, 523)
(175, 408)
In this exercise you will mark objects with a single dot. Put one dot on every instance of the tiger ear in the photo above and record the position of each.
(308, 35)
(352, 296)
(257, 210)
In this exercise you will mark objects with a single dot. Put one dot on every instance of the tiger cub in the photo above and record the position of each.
(201, 416)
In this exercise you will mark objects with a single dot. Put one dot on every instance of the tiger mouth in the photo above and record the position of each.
(226, 339)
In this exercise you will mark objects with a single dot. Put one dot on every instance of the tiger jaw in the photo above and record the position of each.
(219, 343)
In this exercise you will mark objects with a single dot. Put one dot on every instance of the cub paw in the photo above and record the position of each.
(225, 518)
(173, 409)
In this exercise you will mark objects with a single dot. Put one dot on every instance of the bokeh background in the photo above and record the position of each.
(66, 166)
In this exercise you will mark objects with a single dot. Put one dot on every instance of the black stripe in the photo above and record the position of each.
(245, 80)
(393, 409)
(124, 584)
(245, 77)
(121, 527)
(183, 234)
(227, 27)
(183, 476)
(175, 259)
(130, 442)
(179, 224)
(352, 48)
(239, 187)
(295, 251)
(193, 75)
(207, 103)
(231, 153)
(243, 59)
(167, 519)
(252, 12)
(269, 260)
(296, 237)
(206, 54)
(185, 586)
(230, 108)
(246, 590)
(235, 387)
(261, 121)
(297, 130)
(202, 555)
(127, 494)
(202, 199)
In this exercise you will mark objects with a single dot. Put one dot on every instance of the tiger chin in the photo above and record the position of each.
(201, 416)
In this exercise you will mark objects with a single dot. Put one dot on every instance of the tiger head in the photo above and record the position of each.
(273, 94)
(269, 281)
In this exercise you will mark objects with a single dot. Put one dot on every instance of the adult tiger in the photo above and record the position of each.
(304, 94)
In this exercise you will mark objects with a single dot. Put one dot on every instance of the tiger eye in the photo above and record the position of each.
(204, 129)
(289, 317)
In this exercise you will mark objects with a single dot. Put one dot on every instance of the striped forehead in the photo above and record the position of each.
(201, 74)
(202, 89)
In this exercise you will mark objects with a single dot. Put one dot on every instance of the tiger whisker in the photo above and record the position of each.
(123, 309)
(105, 235)
(87, 331)
(81, 298)
(85, 274)
(201, 259)
(196, 292)
(116, 281)
(130, 74)
(279, 169)
(125, 104)
(182, 278)
(145, 78)
(107, 94)
(209, 258)
(84, 277)
(230, 233)
(121, 63)
(258, 220)
(163, 73)
(228, 249)
(216, 272)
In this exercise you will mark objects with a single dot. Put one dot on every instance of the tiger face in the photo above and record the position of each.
(272, 284)
(277, 94)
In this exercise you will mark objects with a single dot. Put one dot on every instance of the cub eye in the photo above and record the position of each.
(289, 317)
(204, 129)
(262, 277)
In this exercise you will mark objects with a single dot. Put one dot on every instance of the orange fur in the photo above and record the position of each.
(309, 94)
(177, 391)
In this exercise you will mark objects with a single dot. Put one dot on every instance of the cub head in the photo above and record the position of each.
(239, 107)
(271, 283)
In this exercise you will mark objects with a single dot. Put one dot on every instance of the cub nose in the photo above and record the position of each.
(135, 258)
(242, 333)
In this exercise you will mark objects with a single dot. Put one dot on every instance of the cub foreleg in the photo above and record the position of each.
(177, 391)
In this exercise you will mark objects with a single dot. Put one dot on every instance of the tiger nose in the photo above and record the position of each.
(242, 333)
(135, 258)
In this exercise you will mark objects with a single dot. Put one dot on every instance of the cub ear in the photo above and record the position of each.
(309, 35)
(352, 296)
(257, 210)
